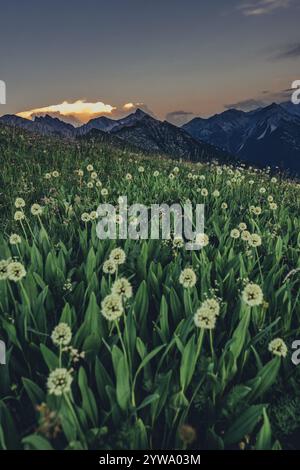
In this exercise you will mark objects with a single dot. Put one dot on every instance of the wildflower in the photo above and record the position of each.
(128, 177)
(19, 203)
(80, 173)
(14, 239)
(202, 177)
(235, 233)
(178, 242)
(273, 206)
(118, 255)
(252, 295)
(216, 193)
(257, 210)
(55, 174)
(202, 240)
(94, 175)
(141, 169)
(251, 182)
(273, 180)
(262, 190)
(3, 269)
(224, 205)
(246, 235)
(104, 192)
(47, 176)
(176, 170)
(90, 168)
(254, 240)
(242, 226)
(109, 267)
(36, 209)
(61, 335)
(187, 434)
(59, 381)
(122, 287)
(90, 184)
(111, 307)
(93, 215)
(98, 184)
(19, 215)
(156, 173)
(171, 176)
(270, 199)
(187, 278)
(212, 304)
(15, 271)
(85, 217)
(205, 318)
(278, 347)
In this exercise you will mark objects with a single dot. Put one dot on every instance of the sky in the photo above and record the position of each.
(174, 59)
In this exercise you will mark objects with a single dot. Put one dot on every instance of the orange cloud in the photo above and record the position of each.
(81, 110)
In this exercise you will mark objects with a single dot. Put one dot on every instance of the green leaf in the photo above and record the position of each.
(264, 437)
(36, 442)
(244, 424)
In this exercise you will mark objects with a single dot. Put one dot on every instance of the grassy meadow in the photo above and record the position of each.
(141, 344)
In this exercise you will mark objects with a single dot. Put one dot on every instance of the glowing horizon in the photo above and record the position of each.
(81, 110)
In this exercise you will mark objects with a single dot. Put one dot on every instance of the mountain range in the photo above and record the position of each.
(265, 136)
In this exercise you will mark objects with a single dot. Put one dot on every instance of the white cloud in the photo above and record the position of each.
(263, 7)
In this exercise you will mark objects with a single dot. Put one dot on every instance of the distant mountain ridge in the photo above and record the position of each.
(265, 136)
(138, 129)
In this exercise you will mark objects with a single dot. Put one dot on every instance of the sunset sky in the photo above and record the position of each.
(173, 58)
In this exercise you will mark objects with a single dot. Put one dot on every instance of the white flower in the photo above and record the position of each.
(47, 176)
(156, 173)
(252, 295)
(235, 233)
(216, 193)
(205, 318)
(19, 203)
(36, 209)
(262, 190)
(118, 255)
(94, 175)
(19, 215)
(141, 169)
(122, 288)
(254, 240)
(14, 239)
(128, 177)
(59, 381)
(202, 239)
(278, 347)
(80, 173)
(178, 242)
(15, 271)
(90, 184)
(61, 335)
(3, 269)
(55, 174)
(104, 192)
(90, 168)
(224, 205)
(204, 192)
(246, 235)
(242, 226)
(187, 278)
(212, 305)
(111, 307)
(93, 215)
(273, 206)
(85, 217)
(109, 267)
